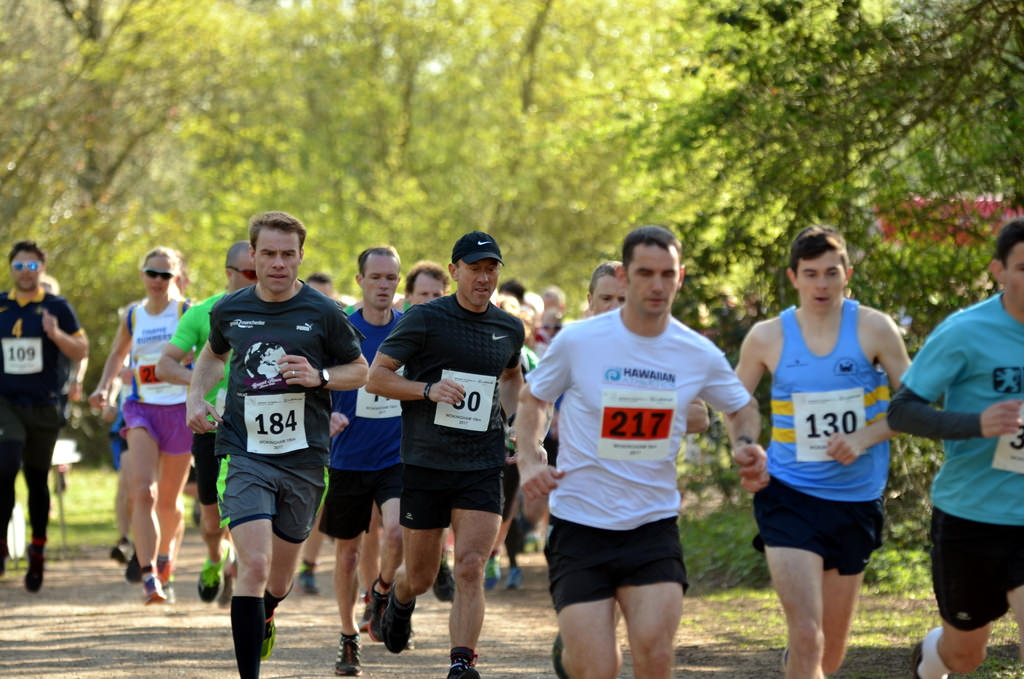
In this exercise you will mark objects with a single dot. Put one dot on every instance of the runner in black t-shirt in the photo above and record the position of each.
(461, 358)
(290, 345)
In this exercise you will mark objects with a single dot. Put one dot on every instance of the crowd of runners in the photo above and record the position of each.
(424, 432)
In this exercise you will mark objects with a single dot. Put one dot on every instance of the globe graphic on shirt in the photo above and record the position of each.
(261, 360)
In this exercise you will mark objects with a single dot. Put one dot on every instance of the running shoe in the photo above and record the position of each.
(347, 662)
(492, 572)
(122, 551)
(229, 573)
(34, 576)
(915, 660)
(153, 591)
(444, 583)
(379, 603)
(514, 579)
(460, 670)
(531, 543)
(556, 658)
(396, 624)
(133, 571)
(364, 624)
(209, 580)
(307, 581)
(269, 637)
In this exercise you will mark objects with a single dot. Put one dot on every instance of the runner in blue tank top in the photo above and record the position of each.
(974, 360)
(820, 517)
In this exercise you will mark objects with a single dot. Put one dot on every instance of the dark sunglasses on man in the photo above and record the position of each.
(157, 273)
(248, 273)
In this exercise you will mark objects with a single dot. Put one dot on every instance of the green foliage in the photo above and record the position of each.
(898, 570)
(717, 548)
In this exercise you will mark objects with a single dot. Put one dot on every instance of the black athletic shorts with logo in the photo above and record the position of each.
(974, 565)
(843, 534)
(589, 564)
(430, 495)
(351, 495)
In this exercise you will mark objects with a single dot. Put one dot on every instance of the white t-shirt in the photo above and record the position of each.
(623, 417)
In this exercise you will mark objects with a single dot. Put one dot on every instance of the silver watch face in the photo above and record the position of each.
(325, 375)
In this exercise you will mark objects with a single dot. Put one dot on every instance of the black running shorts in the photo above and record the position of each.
(430, 495)
(974, 565)
(351, 496)
(590, 564)
(207, 466)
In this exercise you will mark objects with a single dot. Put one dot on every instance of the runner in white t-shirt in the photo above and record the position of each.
(626, 378)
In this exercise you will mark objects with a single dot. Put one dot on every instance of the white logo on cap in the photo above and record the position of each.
(483, 242)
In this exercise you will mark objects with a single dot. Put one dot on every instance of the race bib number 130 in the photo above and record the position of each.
(819, 415)
(636, 425)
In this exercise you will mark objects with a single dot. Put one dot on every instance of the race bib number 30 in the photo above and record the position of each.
(1010, 451)
(23, 355)
(819, 415)
(636, 425)
(275, 423)
(472, 413)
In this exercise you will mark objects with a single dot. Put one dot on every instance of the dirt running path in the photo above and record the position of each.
(88, 623)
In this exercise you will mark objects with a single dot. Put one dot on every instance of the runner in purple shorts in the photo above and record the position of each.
(154, 414)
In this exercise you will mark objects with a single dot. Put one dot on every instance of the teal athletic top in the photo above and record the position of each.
(814, 397)
(973, 359)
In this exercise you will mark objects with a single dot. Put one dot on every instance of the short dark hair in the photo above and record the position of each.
(235, 251)
(1011, 233)
(650, 234)
(813, 242)
(380, 250)
(282, 221)
(603, 269)
(432, 269)
(514, 288)
(320, 278)
(26, 246)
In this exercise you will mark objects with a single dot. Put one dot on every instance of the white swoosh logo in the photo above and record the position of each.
(483, 242)
(497, 337)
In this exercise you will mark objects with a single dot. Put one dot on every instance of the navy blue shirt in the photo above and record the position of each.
(33, 370)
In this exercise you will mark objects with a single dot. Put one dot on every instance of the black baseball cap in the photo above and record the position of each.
(474, 246)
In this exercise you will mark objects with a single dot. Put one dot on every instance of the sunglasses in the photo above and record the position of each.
(248, 273)
(31, 266)
(157, 273)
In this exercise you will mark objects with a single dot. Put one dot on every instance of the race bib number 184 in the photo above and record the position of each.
(636, 425)
(275, 423)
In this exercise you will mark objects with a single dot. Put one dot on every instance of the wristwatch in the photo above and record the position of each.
(325, 376)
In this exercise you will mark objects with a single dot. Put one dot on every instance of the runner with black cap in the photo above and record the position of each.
(461, 381)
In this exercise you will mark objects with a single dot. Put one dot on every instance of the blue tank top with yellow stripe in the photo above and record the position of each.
(814, 397)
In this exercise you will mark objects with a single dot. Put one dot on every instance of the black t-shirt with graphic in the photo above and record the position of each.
(263, 416)
(441, 335)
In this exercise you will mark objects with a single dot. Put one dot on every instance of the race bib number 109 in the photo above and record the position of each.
(636, 425)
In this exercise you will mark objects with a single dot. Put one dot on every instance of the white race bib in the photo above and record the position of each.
(23, 355)
(472, 413)
(1010, 451)
(819, 415)
(636, 425)
(150, 386)
(374, 407)
(275, 423)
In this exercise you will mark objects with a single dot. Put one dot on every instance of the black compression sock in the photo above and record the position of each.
(247, 628)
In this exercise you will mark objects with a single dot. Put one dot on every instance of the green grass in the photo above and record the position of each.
(88, 509)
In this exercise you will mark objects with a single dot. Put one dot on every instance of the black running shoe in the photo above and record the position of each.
(462, 671)
(121, 552)
(347, 662)
(34, 576)
(378, 602)
(396, 624)
(444, 583)
(133, 571)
